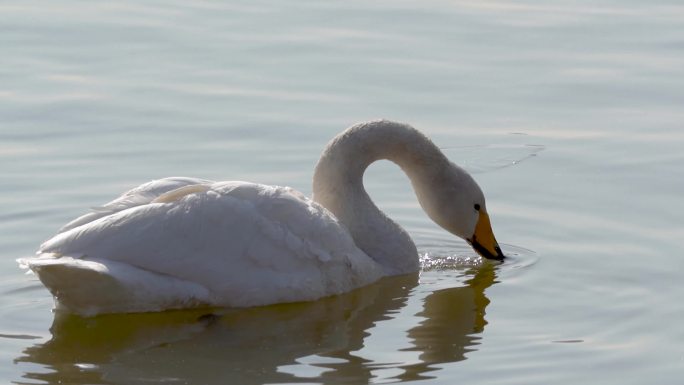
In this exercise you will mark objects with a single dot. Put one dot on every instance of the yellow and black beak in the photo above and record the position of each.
(483, 240)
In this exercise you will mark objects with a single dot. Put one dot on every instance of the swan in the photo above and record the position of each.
(186, 242)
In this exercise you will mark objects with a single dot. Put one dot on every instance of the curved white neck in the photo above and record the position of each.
(338, 186)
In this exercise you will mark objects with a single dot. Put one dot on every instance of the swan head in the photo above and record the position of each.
(454, 201)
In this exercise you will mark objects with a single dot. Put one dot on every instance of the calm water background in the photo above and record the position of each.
(569, 113)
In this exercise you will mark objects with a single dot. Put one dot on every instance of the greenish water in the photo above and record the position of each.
(568, 114)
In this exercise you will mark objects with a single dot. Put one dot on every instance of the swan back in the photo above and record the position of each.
(233, 244)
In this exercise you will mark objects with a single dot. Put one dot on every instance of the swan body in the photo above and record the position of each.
(187, 242)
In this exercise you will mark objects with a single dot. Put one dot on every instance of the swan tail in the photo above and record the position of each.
(91, 287)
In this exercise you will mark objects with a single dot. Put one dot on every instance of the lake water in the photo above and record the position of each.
(570, 115)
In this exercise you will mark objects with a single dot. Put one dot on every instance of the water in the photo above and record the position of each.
(568, 114)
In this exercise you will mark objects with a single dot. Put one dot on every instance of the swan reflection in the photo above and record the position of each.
(252, 346)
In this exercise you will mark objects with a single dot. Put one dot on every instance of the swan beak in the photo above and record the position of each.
(483, 240)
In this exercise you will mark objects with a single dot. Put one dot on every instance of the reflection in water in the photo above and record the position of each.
(453, 318)
(248, 346)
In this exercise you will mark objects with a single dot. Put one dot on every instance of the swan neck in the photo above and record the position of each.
(348, 155)
(338, 186)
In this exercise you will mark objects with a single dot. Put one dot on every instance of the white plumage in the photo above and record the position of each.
(185, 242)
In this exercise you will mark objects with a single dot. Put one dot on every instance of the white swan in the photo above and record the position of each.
(185, 242)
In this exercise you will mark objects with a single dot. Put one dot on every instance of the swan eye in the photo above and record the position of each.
(477, 206)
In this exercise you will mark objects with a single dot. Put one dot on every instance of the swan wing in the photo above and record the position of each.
(141, 195)
(244, 244)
